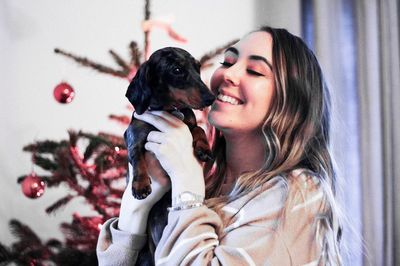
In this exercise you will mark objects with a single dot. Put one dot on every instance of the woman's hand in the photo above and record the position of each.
(133, 213)
(173, 147)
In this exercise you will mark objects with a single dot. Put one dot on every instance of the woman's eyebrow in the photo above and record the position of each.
(261, 58)
(251, 57)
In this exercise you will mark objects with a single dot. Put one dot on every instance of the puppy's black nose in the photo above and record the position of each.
(209, 99)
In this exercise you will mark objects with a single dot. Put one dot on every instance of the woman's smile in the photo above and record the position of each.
(227, 97)
(243, 84)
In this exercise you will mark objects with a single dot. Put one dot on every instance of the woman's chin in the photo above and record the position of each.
(221, 121)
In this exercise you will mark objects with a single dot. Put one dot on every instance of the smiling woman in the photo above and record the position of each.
(244, 84)
(268, 195)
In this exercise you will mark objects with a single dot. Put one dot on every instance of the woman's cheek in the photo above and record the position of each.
(216, 80)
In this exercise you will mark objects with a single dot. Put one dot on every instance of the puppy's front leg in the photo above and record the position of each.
(200, 144)
(201, 147)
(141, 184)
(135, 137)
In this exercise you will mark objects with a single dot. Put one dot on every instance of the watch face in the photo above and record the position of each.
(187, 197)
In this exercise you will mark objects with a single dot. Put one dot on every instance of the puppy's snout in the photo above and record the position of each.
(209, 99)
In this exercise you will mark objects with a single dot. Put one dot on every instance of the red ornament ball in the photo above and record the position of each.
(33, 186)
(64, 93)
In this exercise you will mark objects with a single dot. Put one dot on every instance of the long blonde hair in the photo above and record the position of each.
(296, 128)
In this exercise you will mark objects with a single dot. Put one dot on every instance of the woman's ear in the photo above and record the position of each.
(139, 92)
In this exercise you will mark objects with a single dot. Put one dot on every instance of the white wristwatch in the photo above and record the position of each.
(186, 198)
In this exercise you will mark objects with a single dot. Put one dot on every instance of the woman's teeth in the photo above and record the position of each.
(227, 99)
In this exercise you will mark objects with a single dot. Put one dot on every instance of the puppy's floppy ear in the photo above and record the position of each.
(139, 92)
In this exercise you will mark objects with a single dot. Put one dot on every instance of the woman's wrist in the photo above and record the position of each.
(197, 188)
(188, 193)
(134, 222)
(189, 178)
(186, 200)
(187, 197)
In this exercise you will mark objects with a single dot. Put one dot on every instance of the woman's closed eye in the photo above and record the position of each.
(226, 64)
(249, 71)
(255, 73)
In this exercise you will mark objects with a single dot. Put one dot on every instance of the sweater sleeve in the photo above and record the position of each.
(116, 247)
(276, 227)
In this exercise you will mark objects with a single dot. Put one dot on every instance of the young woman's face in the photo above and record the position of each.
(244, 85)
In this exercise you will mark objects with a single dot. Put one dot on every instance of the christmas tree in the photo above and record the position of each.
(92, 166)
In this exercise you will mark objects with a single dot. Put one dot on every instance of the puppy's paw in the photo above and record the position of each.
(202, 150)
(139, 191)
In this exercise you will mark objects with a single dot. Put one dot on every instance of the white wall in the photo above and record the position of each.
(29, 70)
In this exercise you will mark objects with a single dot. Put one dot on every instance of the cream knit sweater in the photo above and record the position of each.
(280, 223)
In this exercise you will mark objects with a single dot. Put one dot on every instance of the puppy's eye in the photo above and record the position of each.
(177, 71)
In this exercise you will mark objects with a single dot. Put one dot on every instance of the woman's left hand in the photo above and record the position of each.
(173, 147)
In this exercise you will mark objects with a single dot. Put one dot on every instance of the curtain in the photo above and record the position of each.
(329, 29)
(378, 42)
(357, 43)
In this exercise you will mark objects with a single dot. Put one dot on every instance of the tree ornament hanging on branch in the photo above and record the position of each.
(64, 93)
(33, 186)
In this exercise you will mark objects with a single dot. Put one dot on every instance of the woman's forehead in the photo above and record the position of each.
(255, 43)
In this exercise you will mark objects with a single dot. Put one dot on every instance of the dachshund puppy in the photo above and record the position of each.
(170, 81)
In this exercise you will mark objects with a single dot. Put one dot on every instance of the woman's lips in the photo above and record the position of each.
(226, 98)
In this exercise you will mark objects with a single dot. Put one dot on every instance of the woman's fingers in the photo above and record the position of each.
(168, 117)
(153, 147)
(160, 151)
(159, 119)
(156, 137)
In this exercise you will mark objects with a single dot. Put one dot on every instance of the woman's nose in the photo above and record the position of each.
(232, 75)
